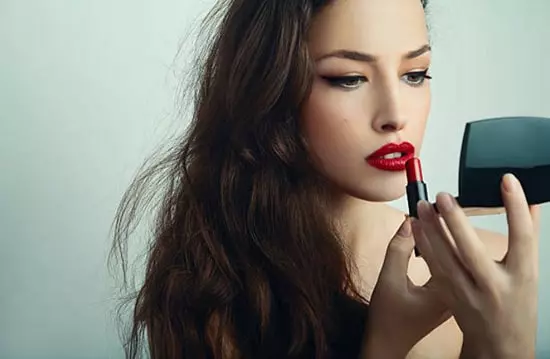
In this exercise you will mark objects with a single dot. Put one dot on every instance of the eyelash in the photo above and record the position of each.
(340, 81)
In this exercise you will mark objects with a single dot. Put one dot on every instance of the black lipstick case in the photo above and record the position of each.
(493, 147)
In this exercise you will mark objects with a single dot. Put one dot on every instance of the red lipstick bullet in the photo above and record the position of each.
(414, 170)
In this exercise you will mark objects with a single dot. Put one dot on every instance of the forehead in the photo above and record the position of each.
(380, 27)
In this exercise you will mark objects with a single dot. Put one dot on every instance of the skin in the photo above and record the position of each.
(344, 122)
(493, 302)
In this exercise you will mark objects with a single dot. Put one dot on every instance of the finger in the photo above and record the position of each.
(433, 287)
(438, 274)
(443, 254)
(471, 250)
(433, 231)
(450, 238)
(535, 217)
(398, 254)
(521, 232)
(425, 248)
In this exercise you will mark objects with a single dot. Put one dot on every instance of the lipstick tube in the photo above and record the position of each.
(416, 189)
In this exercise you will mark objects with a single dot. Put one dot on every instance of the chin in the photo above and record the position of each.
(385, 195)
(378, 189)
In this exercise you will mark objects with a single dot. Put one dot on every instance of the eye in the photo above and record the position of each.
(346, 82)
(416, 78)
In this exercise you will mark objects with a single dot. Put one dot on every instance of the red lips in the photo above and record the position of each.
(404, 151)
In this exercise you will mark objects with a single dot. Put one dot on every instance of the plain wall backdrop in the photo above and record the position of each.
(87, 91)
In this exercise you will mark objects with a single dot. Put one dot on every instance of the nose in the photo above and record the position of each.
(389, 116)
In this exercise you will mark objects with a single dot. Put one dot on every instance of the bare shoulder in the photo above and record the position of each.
(496, 243)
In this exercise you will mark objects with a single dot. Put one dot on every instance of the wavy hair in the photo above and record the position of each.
(244, 260)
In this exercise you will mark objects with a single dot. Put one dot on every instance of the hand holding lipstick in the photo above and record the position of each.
(400, 312)
(494, 303)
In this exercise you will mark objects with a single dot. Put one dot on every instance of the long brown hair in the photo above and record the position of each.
(245, 261)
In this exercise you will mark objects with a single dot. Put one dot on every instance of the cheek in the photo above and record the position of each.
(332, 126)
(417, 107)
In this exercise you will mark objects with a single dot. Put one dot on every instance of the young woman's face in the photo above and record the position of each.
(371, 88)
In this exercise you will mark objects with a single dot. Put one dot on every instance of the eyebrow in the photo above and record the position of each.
(363, 57)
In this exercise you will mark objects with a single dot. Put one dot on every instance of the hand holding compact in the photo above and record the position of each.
(494, 303)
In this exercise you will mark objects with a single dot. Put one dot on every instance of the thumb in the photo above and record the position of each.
(396, 262)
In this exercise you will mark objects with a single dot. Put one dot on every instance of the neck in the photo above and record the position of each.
(364, 226)
(366, 229)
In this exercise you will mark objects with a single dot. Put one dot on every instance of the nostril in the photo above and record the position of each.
(389, 128)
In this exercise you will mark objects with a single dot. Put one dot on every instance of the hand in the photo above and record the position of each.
(400, 313)
(494, 303)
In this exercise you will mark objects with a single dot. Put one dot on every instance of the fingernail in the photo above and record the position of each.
(424, 209)
(445, 202)
(405, 229)
(510, 182)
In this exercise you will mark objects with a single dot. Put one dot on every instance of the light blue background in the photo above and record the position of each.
(87, 91)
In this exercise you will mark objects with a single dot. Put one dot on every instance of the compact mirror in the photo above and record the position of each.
(493, 147)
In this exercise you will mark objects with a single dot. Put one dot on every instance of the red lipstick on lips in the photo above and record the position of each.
(391, 157)
(416, 188)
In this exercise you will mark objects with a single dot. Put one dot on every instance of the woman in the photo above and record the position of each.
(272, 232)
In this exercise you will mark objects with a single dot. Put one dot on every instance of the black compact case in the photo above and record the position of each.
(493, 147)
